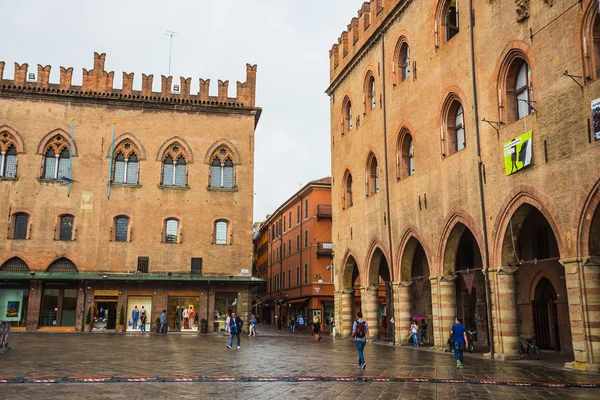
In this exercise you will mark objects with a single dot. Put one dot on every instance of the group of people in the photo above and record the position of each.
(414, 330)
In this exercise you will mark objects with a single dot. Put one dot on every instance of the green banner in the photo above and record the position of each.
(517, 153)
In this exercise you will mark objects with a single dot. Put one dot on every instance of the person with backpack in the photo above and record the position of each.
(360, 334)
(458, 334)
(235, 327)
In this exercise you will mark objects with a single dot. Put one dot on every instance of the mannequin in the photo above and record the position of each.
(186, 318)
(192, 315)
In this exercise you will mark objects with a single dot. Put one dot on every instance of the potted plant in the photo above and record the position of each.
(121, 327)
(87, 327)
(203, 326)
(157, 325)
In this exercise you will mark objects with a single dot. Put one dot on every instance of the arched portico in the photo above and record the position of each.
(350, 296)
(376, 296)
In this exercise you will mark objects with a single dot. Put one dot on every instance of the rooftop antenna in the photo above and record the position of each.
(171, 34)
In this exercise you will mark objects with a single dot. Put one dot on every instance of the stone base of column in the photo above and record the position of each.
(581, 366)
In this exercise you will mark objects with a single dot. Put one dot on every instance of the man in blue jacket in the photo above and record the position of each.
(459, 334)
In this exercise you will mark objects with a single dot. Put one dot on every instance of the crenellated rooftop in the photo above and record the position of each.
(371, 16)
(97, 83)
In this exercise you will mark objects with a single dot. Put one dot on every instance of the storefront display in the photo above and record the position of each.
(328, 307)
(13, 306)
(225, 303)
(59, 306)
(143, 304)
(182, 314)
(105, 309)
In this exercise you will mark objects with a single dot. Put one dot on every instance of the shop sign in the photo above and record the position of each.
(596, 119)
(106, 292)
(517, 153)
(469, 278)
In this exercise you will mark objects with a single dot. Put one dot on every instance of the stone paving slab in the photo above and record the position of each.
(191, 355)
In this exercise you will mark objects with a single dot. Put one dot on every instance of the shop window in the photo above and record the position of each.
(171, 231)
(66, 230)
(14, 305)
(174, 172)
(126, 163)
(453, 127)
(143, 264)
(8, 162)
(121, 226)
(14, 264)
(221, 228)
(20, 226)
(347, 191)
(56, 159)
(405, 157)
(62, 265)
(59, 306)
(222, 169)
(196, 266)
(372, 175)
(346, 115)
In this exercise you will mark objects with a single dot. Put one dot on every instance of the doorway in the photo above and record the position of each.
(105, 314)
(182, 314)
(545, 316)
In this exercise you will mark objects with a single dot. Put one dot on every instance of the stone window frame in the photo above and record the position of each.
(228, 232)
(59, 145)
(509, 67)
(405, 154)
(113, 234)
(178, 236)
(448, 126)
(347, 195)
(441, 22)
(369, 92)
(10, 146)
(400, 64)
(126, 148)
(178, 156)
(372, 175)
(222, 157)
(13, 225)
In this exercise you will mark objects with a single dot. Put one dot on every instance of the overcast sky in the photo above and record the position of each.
(288, 39)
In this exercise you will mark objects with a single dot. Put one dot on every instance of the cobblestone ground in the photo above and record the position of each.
(264, 355)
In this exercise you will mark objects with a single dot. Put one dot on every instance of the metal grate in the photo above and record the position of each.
(62, 265)
(14, 264)
(143, 264)
(196, 266)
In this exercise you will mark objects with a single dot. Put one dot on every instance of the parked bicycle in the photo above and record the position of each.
(532, 350)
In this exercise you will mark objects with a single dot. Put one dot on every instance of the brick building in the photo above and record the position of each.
(159, 217)
(297, 252)
(465, 172)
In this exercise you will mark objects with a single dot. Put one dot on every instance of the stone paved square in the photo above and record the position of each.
(270, 355)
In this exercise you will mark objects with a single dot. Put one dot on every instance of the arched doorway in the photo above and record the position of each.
(594, 237)
(351, 299)
(545, 316)
(463, 260)
(377, 300)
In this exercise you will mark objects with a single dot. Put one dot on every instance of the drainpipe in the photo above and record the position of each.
(481, 192)
(387, 190)
(301, 244)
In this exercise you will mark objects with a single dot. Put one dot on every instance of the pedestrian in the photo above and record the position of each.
(317, 328)
(252, 329)
(332, 324)
(227, 322)
(300, 322)
(235, 328)
(163, 322)
(292, 323)
(459, 334)
(424, 332)
(143, 320)
(414, 328)
(360, 334)
(279, 324)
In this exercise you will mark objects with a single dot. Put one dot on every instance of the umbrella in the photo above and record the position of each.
(419, 317)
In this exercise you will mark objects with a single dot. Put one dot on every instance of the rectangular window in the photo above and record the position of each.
(119, 172)
(283, 250)
(289, 278)
(305, 208)
(132, 173)
(196, 266)
(49, 168)
(63, 168)
(290, 220)
(143, 264)
(284, 223)
(290, 246)
(21, 222)
(298, 214)
(221, 232)
(306, 238)
(283, 279)
(306, 274)
(297, 242)
(298, 275)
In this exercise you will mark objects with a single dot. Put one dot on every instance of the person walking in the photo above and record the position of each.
(235, 327)
(360, 334)
(292, 323)
(163, 322)
(332, 325)
(143, 320)
(252, 329)
(414, 328)
(424, 332)
(459, 334)
(300, 322)
(227, 322)
(279, 324)
(317, 328)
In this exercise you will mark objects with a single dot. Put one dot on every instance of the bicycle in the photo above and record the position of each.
(532, 350)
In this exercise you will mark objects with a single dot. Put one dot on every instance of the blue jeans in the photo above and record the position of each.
(423, 335)
(231, 339)
(415, 340)
(459, 348)
(135, 324)
(361, 347)
(143, 327)
(163, 327)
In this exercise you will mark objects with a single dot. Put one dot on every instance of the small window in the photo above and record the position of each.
(290, 220)
(347, 191)
(372, 176)
(284, 223)
(171, 231)
(8, 163)
(297, 242)
(453, 127)
(174, 168)
(290, 246)
(298, 214)
(405, 157)
(522, 85)
(196, 266)
(306, 238)
(121, 229)
(459, 128)
(371, 93)
(222, 169)
(66, 227)
(298, 275)
(346, 116)
(404, 60)
(451, 19)
(305, 274)
(221, 232)
(305, 208)
(283, 279)
(143, 264)
(21, 226)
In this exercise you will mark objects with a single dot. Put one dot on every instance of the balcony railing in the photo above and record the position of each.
(324, 211)
(324, 249)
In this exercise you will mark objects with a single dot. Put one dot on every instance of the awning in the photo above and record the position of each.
(99, 276)
(298, 300)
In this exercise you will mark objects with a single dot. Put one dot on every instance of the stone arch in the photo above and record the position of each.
(14, 135)
(134, 140)
(406, 251)
(350, 271)
(222, 142)
(15, 264)
(457, 221)
(174, 140)
(584, 28)
(589, 204)
(48, 136)
(62, 264)
(377, 253)
(524, 194)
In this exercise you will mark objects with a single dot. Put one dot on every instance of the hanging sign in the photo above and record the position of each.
(517, 153)
(596, 118)
(469, 279)
(420, 288)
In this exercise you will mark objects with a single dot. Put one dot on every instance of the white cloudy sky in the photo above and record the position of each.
(288, 39)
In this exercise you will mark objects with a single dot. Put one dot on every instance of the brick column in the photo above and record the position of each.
(505, 318)
(403, 307)
(345, 318)
(337, 311)
(34, 305)
(369, 308)
(443, 301)
(583, 288)
(81, 309)
(243, 306)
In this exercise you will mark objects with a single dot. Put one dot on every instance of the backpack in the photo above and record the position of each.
(361, 329)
